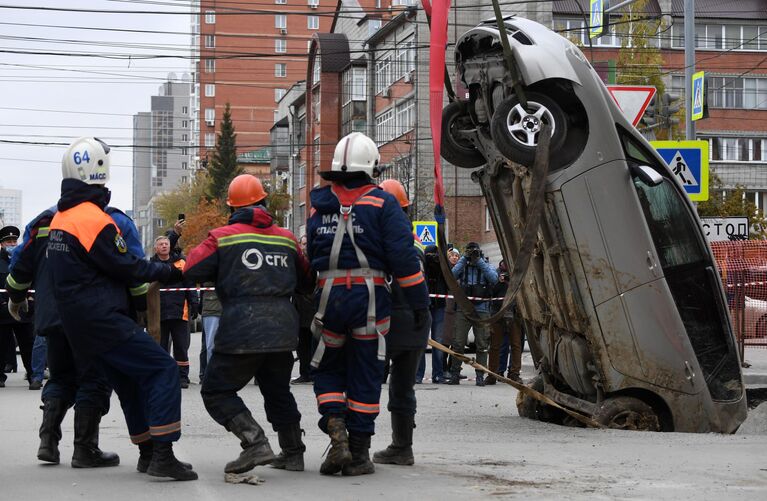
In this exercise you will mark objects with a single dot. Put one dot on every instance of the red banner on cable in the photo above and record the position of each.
(438, 12)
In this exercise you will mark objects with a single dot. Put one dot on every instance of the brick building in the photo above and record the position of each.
(249, 56)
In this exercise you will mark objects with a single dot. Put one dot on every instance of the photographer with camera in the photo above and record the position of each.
(437, 285)
(506, 334)
(476, 278)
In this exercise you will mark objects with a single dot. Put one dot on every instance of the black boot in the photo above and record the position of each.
(291, 457)
(54, 410)
(339, 455)
(401, 449)
(165, 464)
(256, 449)
(359, 445)
(145, 451)
(87, 453)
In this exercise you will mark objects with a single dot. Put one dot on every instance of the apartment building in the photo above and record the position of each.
(10, 207)
(163, 153)
(250, 55)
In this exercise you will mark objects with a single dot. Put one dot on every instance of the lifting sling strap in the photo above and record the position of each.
(346, 227)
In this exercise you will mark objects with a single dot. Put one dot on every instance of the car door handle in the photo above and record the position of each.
(688, 370)
(651, 264)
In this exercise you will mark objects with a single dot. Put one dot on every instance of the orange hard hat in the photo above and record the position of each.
(244, 190)
(394, 187)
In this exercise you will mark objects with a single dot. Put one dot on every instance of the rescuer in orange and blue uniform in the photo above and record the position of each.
(90, 267)
(71, 382)
(357, 237)
(257, 267)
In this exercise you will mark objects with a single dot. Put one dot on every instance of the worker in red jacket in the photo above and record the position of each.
(257, 267)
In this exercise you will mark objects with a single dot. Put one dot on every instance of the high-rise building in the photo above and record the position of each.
(250, 55)
(10, 207)
(162, 156)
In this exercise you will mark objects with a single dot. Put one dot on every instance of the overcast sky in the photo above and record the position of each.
(57, 98)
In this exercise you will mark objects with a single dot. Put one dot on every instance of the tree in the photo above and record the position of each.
(732, 203)
(183, 199)
(205, 216)
(278, 200)
(223, 165)
(640, 60)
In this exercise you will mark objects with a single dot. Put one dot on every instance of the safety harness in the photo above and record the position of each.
(335, 276)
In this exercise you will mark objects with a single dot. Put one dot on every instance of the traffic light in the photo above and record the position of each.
(650, 118)
(671, 104)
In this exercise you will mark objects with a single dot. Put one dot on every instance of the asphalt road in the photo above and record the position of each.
(470, 444)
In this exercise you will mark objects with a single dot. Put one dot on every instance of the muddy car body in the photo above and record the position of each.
(624, 309)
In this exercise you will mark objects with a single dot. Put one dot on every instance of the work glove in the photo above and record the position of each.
(175, 275)
(15, 309)
(420, 317)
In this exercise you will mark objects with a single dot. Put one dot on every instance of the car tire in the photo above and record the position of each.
(457, 150)
(627, 413)
(515, 129)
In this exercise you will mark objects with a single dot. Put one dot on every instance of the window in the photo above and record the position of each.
(210, 139)
(301, 176)
(184, 179)
(185, 137)
(280, 45)
(353, 100)
(488, 221)
(355, 84)
(210, 17)
(316, 151)
(385, 126)
(184, 110)
(383, 73)
(572, 29)
(405, 58)
(210, 115)
(281, 70)
(301, 215)
(313, 22)
(281, 2)
(405, 117)
(373, 26)
(314, 3)
(184, 166)
(279, 94)
(280, 21)
(210, 66)
(316, 71)
(210, 41)
(184, 124)
(210, 90)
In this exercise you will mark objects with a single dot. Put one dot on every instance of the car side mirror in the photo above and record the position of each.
(647, 174)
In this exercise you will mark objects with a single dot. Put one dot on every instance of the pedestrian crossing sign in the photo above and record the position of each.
(697, 95)
(426, 231)
(688, 161)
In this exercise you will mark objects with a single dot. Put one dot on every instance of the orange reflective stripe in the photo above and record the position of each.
(333, 339)
(325, 398)
(411, 280)
(370, 200)
(382, 326)
(141, 437)
(182, 364)
(165, 429)
(351, 280)
(363, 408)
(84, 222)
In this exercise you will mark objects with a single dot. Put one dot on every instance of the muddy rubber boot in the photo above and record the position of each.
(401, 449)
(291, 457)
(145, 450)
(339, 455)
(256, 450)
(54, 410)
(165, 464)
(87, 453)
(359, 445)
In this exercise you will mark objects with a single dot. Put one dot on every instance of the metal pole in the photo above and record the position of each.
(689, 66)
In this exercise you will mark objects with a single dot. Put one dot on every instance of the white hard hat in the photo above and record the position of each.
(87, 159)
(356, 153)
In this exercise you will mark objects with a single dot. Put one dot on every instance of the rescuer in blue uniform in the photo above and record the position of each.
(70, 382)
(357, 237)
(90, 266)
(405, 345)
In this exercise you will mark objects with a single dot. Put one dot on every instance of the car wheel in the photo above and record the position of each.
(627, 413)
(516, 129)
(456, 149)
